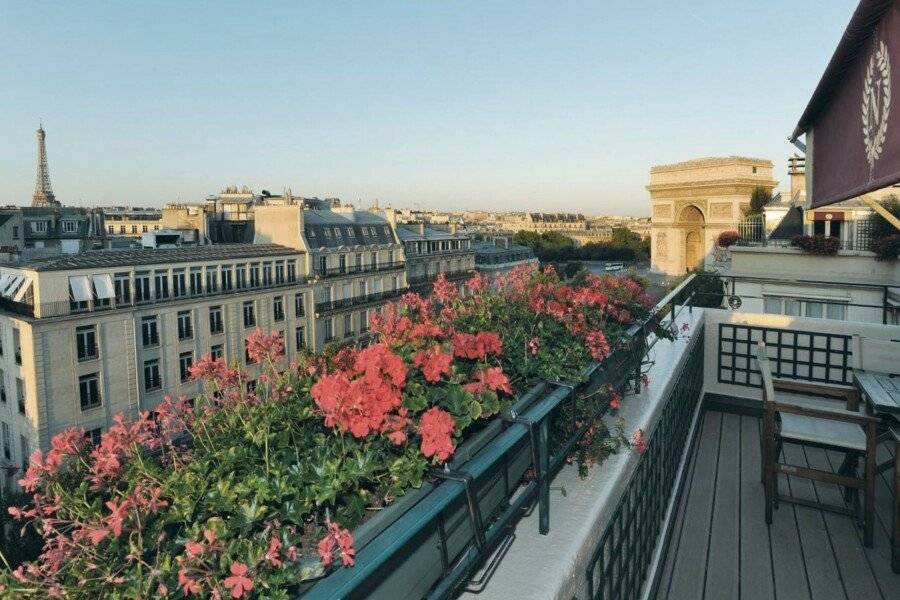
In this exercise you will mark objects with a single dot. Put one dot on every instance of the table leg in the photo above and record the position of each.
(895, 541)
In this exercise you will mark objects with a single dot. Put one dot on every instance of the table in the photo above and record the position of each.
(881, 393)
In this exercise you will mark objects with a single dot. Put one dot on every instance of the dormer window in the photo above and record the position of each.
(39, 226)
(70, 226)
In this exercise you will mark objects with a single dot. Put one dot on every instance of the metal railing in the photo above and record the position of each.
(619, 563)
(358, 269)
(860, 244)
(450, 275)
(62, 308)
(330, 306)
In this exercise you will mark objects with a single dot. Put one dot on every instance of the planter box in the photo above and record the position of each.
(430, 536)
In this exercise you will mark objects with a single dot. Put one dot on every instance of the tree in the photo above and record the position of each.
(880, 226)
(760, 197)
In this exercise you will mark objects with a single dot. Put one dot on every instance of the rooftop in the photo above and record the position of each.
(152, 256)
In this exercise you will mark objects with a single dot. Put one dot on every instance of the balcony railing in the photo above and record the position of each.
(67, 307)
(331, 306)
(450, 275)
(349, 270)
(857, 244)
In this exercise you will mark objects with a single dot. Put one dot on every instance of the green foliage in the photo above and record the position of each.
(760, 197)
(881, 228)
(625, 245)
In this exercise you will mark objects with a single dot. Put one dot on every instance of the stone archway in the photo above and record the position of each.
(692, 221)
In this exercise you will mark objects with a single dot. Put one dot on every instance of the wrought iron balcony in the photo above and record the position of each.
(351, 270)
(333, 306)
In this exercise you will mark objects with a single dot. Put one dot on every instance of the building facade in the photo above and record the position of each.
(430, 251)
(85, 337)
(499, 255)
(692, 202)
(354, 258)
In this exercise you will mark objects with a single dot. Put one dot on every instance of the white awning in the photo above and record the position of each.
(12, 285)
(22, 291)
(81, 288)
(104, 286)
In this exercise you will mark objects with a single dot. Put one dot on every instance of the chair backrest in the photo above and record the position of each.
(879, 356)
(766, 372)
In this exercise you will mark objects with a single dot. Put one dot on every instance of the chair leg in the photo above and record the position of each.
(869, 520)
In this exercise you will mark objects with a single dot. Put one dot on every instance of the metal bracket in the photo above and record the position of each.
(539, 440)
(471, 500)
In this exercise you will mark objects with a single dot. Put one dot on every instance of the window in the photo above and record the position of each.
(374, 260)
(300, 337)
(16, 231)
(2, 387)
(363, 321)
(325, 294)
(70, 226)
(254, 274)
(121, 229)
(142, 287)
(134, 229)
(329, 329)
(196, 281)
(241, 276)
(291, 271)
(161, 282)
(211, 283)
(17, 346)
(323, 264)
(122, 284)
(39, 226)
(185, 328)
(226, 275)
(150, 331)
(805, 307)
(267, 273)
(348, 325)
(215, 320)
(279, 273)
(185, 360)
(278, 308)
(217, 351)
(26, 455)
(179, 283)
(89, 391)
(152, 379)
(7, 442)
(93, 436)
(86, 342)
(249, 314)
(358, 264)
(342, 263)
(299, 305)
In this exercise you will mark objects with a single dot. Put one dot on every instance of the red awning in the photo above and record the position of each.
(854, 114)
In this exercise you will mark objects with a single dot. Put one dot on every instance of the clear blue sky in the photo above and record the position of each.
(519, 105)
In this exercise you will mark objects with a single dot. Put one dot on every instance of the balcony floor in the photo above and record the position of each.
(720, 546)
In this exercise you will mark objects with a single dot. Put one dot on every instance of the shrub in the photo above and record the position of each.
(823, 245)
(887, 248)
(248, 494)
(728, 238)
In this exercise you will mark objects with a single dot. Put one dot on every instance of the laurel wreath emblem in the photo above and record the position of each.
(876, 103)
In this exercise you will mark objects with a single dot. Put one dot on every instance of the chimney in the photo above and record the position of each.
(452, 227)
(421, 227)
(797, 172)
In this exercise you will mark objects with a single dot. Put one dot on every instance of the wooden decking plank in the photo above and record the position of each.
(689, 570)
(788, 566)
(846, 537)
(821, 567)
(879, 557)
(755, 551)
(723, 565)
(675, 538)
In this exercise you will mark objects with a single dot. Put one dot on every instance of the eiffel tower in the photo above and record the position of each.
(43, 193)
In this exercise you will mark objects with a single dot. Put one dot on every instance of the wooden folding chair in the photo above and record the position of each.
(810, 422)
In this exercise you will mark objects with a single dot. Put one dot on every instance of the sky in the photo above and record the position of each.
(552, 106)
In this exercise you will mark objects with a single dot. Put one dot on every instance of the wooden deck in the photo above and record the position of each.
(721, 547)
